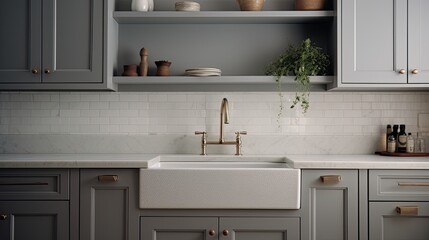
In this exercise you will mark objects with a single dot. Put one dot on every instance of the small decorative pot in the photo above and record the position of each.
(140, 5)
(309, 4)
(251, 5)
(163, 68)
(130, 70)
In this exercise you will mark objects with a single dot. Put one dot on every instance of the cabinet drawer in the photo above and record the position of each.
(399, 185)
(34, 184)
(385, 223)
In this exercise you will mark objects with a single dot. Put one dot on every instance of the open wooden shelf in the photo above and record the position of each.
(222, 17)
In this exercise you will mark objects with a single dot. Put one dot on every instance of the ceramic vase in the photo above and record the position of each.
(163, 68)
(130, 70)
(140, 5)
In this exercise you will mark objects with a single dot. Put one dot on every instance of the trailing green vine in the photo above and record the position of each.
(303, 61)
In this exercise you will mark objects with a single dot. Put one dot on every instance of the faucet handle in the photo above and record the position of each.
(200, 132)
(241, 133)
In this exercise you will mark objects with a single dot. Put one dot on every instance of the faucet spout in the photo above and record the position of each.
(224, 118)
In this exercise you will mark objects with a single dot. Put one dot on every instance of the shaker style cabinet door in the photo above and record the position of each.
(330, 205)
(108, 204)
(386, 222)
(374, 41)
(20, 41)
(259, 228)
(35, 220)
(72, 41)
(178, 228)
(418, 41)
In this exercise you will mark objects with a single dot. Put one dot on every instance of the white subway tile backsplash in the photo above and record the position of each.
(330, 114)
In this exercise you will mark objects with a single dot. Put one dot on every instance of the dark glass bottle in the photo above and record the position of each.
(389, 132)
(395, 135)
(402, 139)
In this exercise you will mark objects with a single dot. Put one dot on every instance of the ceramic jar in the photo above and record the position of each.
(163, 68)
(140, 5)
(130, 70)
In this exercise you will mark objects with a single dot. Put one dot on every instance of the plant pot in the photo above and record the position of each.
(251, 5)
(309, 5)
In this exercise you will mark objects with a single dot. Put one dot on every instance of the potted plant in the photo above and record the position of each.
(303, 61)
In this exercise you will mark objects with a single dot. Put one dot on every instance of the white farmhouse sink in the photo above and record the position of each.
(220, 183)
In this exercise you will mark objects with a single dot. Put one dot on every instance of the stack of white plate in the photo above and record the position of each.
(187, 6)
(203, 72)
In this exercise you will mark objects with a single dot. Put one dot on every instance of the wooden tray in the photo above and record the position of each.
(397, 154)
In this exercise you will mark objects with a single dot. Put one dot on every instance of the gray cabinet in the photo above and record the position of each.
(330, 204)
(109, 204)
(34, 204)
(383, 42)
(228, 228)
(50, 41)
(36, 220)
(398, 204)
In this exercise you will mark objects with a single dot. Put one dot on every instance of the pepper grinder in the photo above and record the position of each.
(143, 62)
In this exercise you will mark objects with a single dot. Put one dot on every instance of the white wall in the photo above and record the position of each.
(145, 115)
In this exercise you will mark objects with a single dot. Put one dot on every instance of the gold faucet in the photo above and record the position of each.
(224, 119)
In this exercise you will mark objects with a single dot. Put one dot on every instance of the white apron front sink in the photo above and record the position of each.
(220, 184)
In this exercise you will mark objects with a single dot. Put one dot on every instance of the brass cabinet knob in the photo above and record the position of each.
(225, 232)
(402, 71)
(47, 71)
(415, 71)
(34, 71)
(212, 232)
(3, 217)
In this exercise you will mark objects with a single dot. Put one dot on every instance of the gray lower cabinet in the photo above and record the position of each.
(227, 228)
(35, 220)
(398, 204)
(109, 204)
(35, 204)
(330, 205)
(384, 46)
(50, 41)
(387, 222)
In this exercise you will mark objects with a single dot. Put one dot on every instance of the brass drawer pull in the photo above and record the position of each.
(413, 184)
(212, 232)
(24, 184)
(330, 178)
(407, 210)
(225, 232)
(108, 178)
(3, 217)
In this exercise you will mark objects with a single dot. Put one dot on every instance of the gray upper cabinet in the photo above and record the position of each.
(384, 43)
(48, 43)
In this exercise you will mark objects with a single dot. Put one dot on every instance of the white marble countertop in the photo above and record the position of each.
(145, 160)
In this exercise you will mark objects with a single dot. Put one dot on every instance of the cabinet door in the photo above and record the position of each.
(20, 40)
(178, 228)
(34, 220)
(374, 41)
(330, 207)
(385, 223)
(72, 41)
(418, 39)
(259, 228)
(108, 204)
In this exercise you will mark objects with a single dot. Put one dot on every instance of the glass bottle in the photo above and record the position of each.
(389, 132)
(420, 144)
(410, 143)
(402, 139)
(391, 143)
